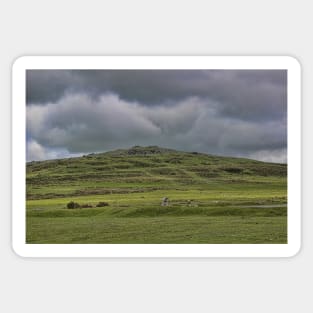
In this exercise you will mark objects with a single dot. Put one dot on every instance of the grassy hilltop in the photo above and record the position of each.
(212, 199)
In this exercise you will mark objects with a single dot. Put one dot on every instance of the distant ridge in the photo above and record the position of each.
(142, 151)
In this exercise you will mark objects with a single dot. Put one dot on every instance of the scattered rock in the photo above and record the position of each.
(164, 201)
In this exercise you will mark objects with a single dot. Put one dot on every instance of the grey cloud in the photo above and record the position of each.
(80, 123)
(243, 94)
(35, 151)
(44, 86)
(227, 112)
(276, 155)
(38, 152)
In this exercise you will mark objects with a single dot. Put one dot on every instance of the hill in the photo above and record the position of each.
(126, 170)
(132, 182)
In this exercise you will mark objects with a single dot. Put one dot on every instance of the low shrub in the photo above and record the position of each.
(73, 205)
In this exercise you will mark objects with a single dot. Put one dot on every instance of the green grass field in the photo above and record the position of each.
(212, 199)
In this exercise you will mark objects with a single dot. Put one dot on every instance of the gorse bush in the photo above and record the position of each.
(73, 205)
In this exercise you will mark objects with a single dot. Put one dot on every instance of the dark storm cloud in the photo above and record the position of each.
(44, 86)
(249, 94)
(232, 112)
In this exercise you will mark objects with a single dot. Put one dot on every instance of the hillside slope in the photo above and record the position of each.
(141, 168)
(212, 199)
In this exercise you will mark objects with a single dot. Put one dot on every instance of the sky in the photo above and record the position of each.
(241, 113)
